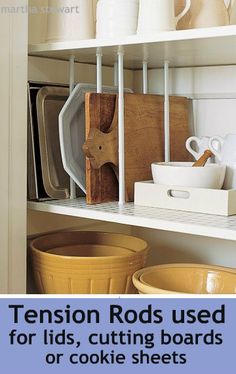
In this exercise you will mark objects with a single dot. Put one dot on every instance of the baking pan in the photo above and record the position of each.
(36, 189)
(49, 102)
(32, 186)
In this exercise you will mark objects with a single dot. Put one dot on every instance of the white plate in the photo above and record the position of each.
(72, 132)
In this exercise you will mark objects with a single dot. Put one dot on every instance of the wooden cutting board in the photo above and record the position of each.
(144, 140)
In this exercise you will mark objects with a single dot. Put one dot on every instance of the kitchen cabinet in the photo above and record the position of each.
(201, 53)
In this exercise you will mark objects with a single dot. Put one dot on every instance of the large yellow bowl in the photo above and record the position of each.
(185, 279)
(77, 262)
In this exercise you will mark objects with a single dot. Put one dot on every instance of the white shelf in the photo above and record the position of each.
(162, 219)
(196, 47)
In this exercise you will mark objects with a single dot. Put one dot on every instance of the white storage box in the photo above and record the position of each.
(201, 200)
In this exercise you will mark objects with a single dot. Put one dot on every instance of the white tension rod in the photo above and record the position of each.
(121, 129)
(115, 74)
(145, 77)
(72, 84)
(99, 71)
(167, 112)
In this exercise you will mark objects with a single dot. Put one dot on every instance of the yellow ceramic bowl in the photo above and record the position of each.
(87, 262)
(186, 279)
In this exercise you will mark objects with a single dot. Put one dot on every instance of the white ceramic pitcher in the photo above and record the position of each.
(158, 15)
(205, 13)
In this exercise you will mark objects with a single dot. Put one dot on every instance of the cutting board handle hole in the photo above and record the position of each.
(177, 194)
(100, 148)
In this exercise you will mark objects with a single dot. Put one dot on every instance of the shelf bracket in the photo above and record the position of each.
(166, 112)
(72, 84)
(121, 130)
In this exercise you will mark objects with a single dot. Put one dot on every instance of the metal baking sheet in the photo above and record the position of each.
(36, 189)
(49, 103)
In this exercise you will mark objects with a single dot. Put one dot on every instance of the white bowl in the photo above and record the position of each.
(184, 175)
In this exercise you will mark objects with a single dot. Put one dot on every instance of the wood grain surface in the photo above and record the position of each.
(144, 140)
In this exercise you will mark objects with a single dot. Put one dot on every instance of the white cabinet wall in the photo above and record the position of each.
(13, 144)
(213, 90)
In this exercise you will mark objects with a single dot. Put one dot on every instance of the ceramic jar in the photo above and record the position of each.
(37, 21)
(116, 18)
(70, 20)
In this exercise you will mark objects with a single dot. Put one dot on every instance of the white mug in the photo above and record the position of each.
(158, 15)
(227, 156)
